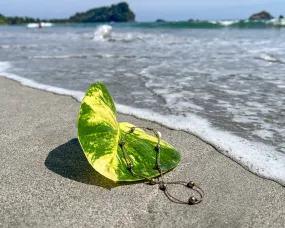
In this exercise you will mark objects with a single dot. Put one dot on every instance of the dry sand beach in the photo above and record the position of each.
(47, 182)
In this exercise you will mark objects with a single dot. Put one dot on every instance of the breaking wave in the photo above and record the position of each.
(105, 33)
(27, 46)
(270, 58)
(58, 57)
(99, 56)
(102, 32)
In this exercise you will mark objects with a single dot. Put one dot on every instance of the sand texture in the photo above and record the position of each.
(46, 180)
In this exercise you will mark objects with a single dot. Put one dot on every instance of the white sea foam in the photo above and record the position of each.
(105, 33)
(235, 92)
(224, 22)
(276, 21)
(37, 25)
(102, 32)
(258, 158)
(58, 57)
(18, 46)
(269, 58)
(265, 134)
(83, 56)
(228, 23)
(4, 66)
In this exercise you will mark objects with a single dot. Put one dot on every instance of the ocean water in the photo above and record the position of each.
(222, 81)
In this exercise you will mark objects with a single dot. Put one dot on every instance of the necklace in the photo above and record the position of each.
(160, 182)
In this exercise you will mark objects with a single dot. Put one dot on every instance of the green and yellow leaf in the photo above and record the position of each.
(99, 135)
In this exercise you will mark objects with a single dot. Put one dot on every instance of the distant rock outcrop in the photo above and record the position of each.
(117, 13)
(193, 20)
(160, 20)
(263, 15)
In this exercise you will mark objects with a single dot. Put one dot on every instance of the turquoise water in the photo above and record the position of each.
(235, 24)
(224, 82)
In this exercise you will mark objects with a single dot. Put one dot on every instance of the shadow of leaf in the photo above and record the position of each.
(69, 161)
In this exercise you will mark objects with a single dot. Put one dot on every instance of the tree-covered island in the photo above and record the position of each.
(115, 13)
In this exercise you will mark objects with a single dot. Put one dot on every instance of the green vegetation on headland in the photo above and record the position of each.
(17, 20)
(120, 13)
(115, 13)
(263, 15)
(2, 19)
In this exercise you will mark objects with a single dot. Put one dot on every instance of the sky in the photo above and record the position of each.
(147, 10)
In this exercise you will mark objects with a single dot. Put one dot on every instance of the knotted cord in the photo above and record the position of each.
(160, 182)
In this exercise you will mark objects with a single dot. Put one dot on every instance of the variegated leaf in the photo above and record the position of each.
(99, 134)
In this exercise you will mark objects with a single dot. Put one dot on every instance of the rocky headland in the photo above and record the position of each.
(120, 12)
(160, 20)
(263, 15)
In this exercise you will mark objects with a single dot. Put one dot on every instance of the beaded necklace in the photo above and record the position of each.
(160, 182)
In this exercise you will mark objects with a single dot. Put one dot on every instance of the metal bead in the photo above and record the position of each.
(190, 184)
(158, 134)
(131, 166)
(162, 186)
(157, 148)
(132, 129)
(192, 200)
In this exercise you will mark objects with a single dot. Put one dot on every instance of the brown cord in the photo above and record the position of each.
(160, 182)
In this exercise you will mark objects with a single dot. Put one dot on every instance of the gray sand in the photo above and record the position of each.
(47, 182)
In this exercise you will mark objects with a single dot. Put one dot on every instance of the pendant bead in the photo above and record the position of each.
(190, 184)
(192, 200)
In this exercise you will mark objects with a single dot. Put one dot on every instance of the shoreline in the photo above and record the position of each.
(45, 180)
(257, 158)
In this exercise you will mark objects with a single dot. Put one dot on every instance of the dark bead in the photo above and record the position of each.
(190, 184)
(131, 166)
(162, 186)
(132, 129)
(192, 200)
(157, 148)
